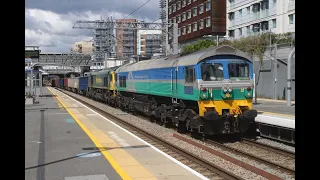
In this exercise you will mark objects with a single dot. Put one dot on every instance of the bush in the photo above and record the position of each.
(255, 44)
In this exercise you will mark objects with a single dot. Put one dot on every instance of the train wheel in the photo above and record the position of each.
(182, 127)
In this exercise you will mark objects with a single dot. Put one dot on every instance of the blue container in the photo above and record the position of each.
(61, 82)
(83, 83)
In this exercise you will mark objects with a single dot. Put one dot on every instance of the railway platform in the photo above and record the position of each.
(276, 107)
(275, 112)
(276, 120)
(71, 141)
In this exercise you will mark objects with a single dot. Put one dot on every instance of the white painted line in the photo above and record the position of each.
(141, 140)
(118, 139)
(91, 114)
(36, 142)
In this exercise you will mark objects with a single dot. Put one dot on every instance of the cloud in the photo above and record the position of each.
(150, 10)
(49, 23)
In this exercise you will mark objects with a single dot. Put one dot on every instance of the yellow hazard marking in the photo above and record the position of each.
(111, 160)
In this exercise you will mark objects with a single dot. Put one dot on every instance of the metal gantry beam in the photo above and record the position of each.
(119, 25)
(73, 59)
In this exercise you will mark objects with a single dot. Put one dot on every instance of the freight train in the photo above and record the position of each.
(207, 92)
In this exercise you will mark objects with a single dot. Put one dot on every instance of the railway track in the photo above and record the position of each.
(256, 157)
(268, 147)
(206, 168)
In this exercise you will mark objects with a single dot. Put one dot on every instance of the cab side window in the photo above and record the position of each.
(189, 74)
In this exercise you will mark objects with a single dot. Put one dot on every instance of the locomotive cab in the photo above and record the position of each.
(225, 94)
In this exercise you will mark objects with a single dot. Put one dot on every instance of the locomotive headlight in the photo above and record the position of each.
(204, 96)
(249, 94)
(225, 90)
(229, 90)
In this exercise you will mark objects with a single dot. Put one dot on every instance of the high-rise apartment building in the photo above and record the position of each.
(103, 41)
(126, 41)
(148, 42)
(246, 17)
(197, 18)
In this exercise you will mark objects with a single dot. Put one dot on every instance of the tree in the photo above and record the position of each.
(254, 44)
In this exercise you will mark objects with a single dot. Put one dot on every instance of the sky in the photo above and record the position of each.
(48, 23)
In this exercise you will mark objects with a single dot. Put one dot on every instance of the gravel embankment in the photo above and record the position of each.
(276, 144)
(265, 154)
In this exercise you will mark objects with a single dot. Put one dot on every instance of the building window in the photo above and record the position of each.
(189, 74)
(178, 19)
(265, 26)
(208, 5)
(201, 6)
(184, 3)
(183, 16)
(169, 9)
(231, 16)
(201, 24)
(174, 8)
(274, 3)
(248, 10)
(208, 22)
(169, 20)
(188, 2)
(240, 13)
(240, 31)
(248, 30)
(179, 32)
(183, 30)
(195, 27)
(291, 19)
(231, 33)
(194, 0)
(178, 5)
(195, 10)
(189, 28)
(274, 23)
(174, 20)
(189, 14)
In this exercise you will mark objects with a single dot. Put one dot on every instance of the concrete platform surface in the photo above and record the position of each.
(275, 108)
(128, 154)
(56, 148)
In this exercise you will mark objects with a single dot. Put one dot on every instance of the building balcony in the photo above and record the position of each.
(127, 38)
(127, 50)
(128, 44)
(100, 45)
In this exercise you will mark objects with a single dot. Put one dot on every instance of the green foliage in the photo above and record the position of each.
(201, 44)
(255, 44)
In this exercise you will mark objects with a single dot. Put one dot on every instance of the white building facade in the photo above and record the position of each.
(148, 42)
(248, 17)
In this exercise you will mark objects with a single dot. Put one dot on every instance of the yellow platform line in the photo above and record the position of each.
(275, 100)
(109, 158)
(272, 113)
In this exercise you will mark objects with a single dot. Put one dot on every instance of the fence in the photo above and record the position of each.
(271, 82)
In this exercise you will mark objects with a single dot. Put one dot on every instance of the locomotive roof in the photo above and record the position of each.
(184, 60)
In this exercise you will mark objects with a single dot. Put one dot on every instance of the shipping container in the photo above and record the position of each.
(83, 83)
(65, 82)
(70, 82)
(61, 82)
(76, 83)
